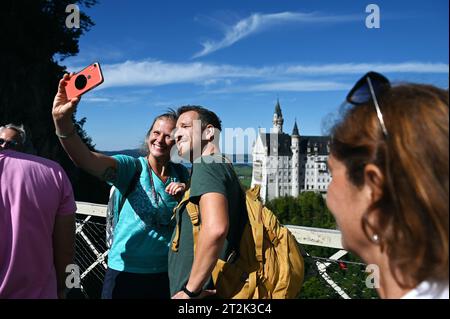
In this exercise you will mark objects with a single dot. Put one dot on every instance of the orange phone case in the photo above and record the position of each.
(84, 81)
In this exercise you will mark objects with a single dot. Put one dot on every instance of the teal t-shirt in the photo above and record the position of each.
(143, 232)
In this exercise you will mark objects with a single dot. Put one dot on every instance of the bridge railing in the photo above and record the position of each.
(327, 276)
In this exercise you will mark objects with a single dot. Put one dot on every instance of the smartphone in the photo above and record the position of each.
(84, 81)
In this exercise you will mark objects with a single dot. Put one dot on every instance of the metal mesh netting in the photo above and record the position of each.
(90, 256)
(325, 278)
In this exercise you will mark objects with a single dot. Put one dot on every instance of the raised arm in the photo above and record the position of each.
(94, 163)
(211, 238)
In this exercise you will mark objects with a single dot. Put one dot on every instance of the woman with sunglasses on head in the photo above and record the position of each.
(149, 188)
(389, 159)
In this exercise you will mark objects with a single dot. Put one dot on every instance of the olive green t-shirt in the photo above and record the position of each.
(210, 174)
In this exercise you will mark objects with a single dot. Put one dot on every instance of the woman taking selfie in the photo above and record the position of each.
(389, 193)
(137, 260)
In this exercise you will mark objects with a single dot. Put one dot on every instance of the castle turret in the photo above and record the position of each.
(277, 119)
(295, 163)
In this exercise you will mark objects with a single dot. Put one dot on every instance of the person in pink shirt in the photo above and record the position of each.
(37, 226)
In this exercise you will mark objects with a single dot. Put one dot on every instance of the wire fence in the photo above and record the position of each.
(91, 255)
(325, 278)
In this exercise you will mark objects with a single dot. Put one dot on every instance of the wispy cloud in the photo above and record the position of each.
(90, 99)
(298, 86)
(359, 68)
(227, 78)
(258, 22)
(111, 98)
(154, 73)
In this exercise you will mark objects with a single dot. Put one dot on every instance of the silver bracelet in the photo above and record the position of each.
(66, 136)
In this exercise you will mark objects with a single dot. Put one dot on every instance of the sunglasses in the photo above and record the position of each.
(367, 88)
(8, 144)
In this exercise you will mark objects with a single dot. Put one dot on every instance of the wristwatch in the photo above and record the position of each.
(190, 293)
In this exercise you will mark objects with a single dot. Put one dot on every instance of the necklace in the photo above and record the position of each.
(152, 184)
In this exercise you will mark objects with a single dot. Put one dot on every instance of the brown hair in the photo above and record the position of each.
(205, 116)
(413, 212)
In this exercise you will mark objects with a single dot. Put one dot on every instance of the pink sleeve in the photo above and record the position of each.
(67, 204)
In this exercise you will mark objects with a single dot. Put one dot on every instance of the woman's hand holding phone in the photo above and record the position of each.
(70, 88)
(63, 107)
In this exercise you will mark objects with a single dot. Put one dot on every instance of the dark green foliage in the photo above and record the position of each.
(33, 34)
(309, 209)
(244, 173)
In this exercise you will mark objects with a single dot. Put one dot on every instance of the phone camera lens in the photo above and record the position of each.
(80, 82)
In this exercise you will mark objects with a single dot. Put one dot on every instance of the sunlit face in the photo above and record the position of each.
(348, 204)
(159, 140)
(188, 134)
(7, 136)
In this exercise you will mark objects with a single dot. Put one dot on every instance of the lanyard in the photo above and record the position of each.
(154, 194)
(152, 185)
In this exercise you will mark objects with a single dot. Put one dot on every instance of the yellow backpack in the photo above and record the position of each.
(269, 263)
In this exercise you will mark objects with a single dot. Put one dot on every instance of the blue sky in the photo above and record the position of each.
(237, 57)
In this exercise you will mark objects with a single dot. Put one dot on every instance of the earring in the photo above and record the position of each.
(375, 238)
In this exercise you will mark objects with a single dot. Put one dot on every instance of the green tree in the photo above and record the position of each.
(309, 209)
(34, 34)
(285, 208)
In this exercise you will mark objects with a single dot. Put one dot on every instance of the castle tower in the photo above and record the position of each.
(277, 119)
(295, 163)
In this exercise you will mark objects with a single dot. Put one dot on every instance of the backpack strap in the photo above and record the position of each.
(131, 186)
(256, 224)
(177, 209)
(193, 212)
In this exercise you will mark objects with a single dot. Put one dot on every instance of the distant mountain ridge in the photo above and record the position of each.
(130, 152)
(235, 158)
